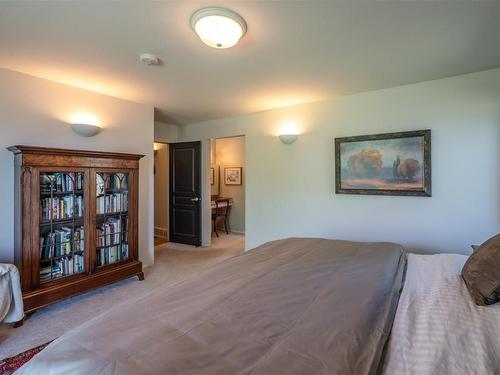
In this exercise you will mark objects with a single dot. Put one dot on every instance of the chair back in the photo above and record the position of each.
(222, 207)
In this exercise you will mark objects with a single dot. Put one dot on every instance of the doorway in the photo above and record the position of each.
(223, 175)
(227, 190)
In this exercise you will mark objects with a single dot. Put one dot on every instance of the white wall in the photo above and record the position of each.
(161, 188)
(290, 188)
(36, 112)
(215, 188)
(166, 132)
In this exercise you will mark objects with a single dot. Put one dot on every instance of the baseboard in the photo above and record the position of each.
(237, 232)
(161, 232)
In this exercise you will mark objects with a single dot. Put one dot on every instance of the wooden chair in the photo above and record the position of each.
(220, 213)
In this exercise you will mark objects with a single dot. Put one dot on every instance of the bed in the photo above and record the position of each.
(438, 330)
(294, 306)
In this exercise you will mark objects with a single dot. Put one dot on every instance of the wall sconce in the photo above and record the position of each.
(85, 125)
(288, 133)
(85, 130)
(288, 138)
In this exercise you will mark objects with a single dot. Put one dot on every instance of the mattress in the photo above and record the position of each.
(294, 306)
(438, 330)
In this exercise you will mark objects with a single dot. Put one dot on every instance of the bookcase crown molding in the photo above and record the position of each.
(37, 150)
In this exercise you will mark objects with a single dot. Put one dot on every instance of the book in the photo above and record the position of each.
(61, 182)
(60, 242)
(112, 203)
(124, 251)
(45, 183)
(66, 266)
(112, 254)
(110, 233)
(60, 208)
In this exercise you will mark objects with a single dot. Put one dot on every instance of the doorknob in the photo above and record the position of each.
(195, 199)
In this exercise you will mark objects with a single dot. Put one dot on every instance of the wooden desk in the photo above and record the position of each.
(222, 204)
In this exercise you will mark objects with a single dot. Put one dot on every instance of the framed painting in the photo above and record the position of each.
(384, 164)
(212, 176)
(232, 176)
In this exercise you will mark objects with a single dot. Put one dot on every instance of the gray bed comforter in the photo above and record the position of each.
(294, 306)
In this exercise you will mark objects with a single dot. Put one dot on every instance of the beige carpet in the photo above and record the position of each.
(173, 262)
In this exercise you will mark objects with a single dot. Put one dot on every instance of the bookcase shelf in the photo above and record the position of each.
(66, 241)
(111, 214)
(48, 194)
(78, 219)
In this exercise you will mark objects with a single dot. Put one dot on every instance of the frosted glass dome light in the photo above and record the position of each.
(218, 27)
(85, 124)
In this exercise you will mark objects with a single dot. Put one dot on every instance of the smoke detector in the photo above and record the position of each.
(149, 59)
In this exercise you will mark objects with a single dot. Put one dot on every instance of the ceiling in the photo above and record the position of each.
(293, 52)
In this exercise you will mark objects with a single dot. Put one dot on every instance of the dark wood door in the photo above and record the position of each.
(185, 193)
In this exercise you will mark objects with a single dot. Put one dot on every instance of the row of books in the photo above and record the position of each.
(61, 182)
(61, 242)
(58, 208)
(110, 203)
(63, 267)
(113, 254)
(111, 232)
(114, 181)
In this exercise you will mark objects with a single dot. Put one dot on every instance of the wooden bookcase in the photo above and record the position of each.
(76, 225)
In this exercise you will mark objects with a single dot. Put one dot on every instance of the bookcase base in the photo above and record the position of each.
(44, 296)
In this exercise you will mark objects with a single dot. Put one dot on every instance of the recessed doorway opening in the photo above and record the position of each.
(227, 189)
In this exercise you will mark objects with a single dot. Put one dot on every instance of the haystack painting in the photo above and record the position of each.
(388, 164)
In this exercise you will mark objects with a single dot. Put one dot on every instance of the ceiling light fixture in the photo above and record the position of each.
(218, 27)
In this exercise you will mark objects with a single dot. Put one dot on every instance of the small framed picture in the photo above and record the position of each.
(212, 176)
(232, 176)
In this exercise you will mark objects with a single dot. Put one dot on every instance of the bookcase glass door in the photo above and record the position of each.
(112, 217)
(61, 225)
